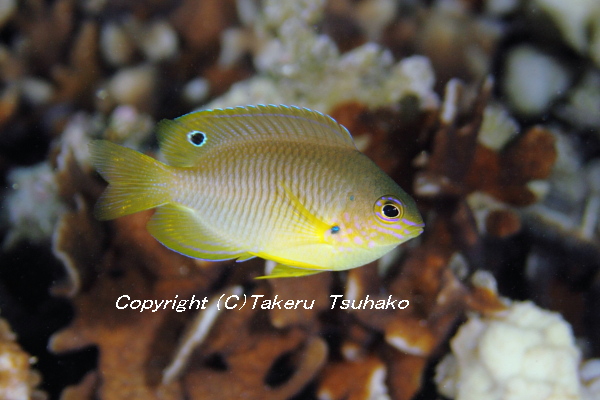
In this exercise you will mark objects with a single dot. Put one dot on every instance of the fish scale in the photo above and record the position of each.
(242, 179)
(282, 183)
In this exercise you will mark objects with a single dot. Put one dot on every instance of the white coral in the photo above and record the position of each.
(573, 18)
(524, 353)
(533, 80)
(302, 67)
(578, 22)
(497, 127)
(33, 205)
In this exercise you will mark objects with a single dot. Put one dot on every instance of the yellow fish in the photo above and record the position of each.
(282, 183)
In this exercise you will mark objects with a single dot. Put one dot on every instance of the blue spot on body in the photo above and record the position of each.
(335, 229)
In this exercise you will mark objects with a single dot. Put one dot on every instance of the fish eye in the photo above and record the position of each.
(389, 209)
(196, 138)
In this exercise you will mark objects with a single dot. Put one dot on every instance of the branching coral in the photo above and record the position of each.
(299, 66)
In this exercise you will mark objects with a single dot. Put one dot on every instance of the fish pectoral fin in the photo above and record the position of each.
(179, 228)
(305, 225)
(285, 271)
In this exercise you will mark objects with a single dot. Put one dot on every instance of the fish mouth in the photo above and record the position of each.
(418, 232)
(416, 229)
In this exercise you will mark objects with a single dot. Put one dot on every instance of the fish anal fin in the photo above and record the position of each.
(285, 271)
(180, 229)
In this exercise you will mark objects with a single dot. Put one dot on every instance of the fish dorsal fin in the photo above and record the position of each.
(185, 140)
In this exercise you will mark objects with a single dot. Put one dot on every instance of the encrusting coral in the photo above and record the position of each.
(523, 352)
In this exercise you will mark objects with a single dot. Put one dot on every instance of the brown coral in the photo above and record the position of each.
(275, 353)
(17, 379)
(506, 175)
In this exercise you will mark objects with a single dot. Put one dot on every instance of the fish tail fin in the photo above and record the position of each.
(137, 182)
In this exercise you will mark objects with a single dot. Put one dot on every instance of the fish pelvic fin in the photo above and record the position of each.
(137, 182)
(284, 271)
